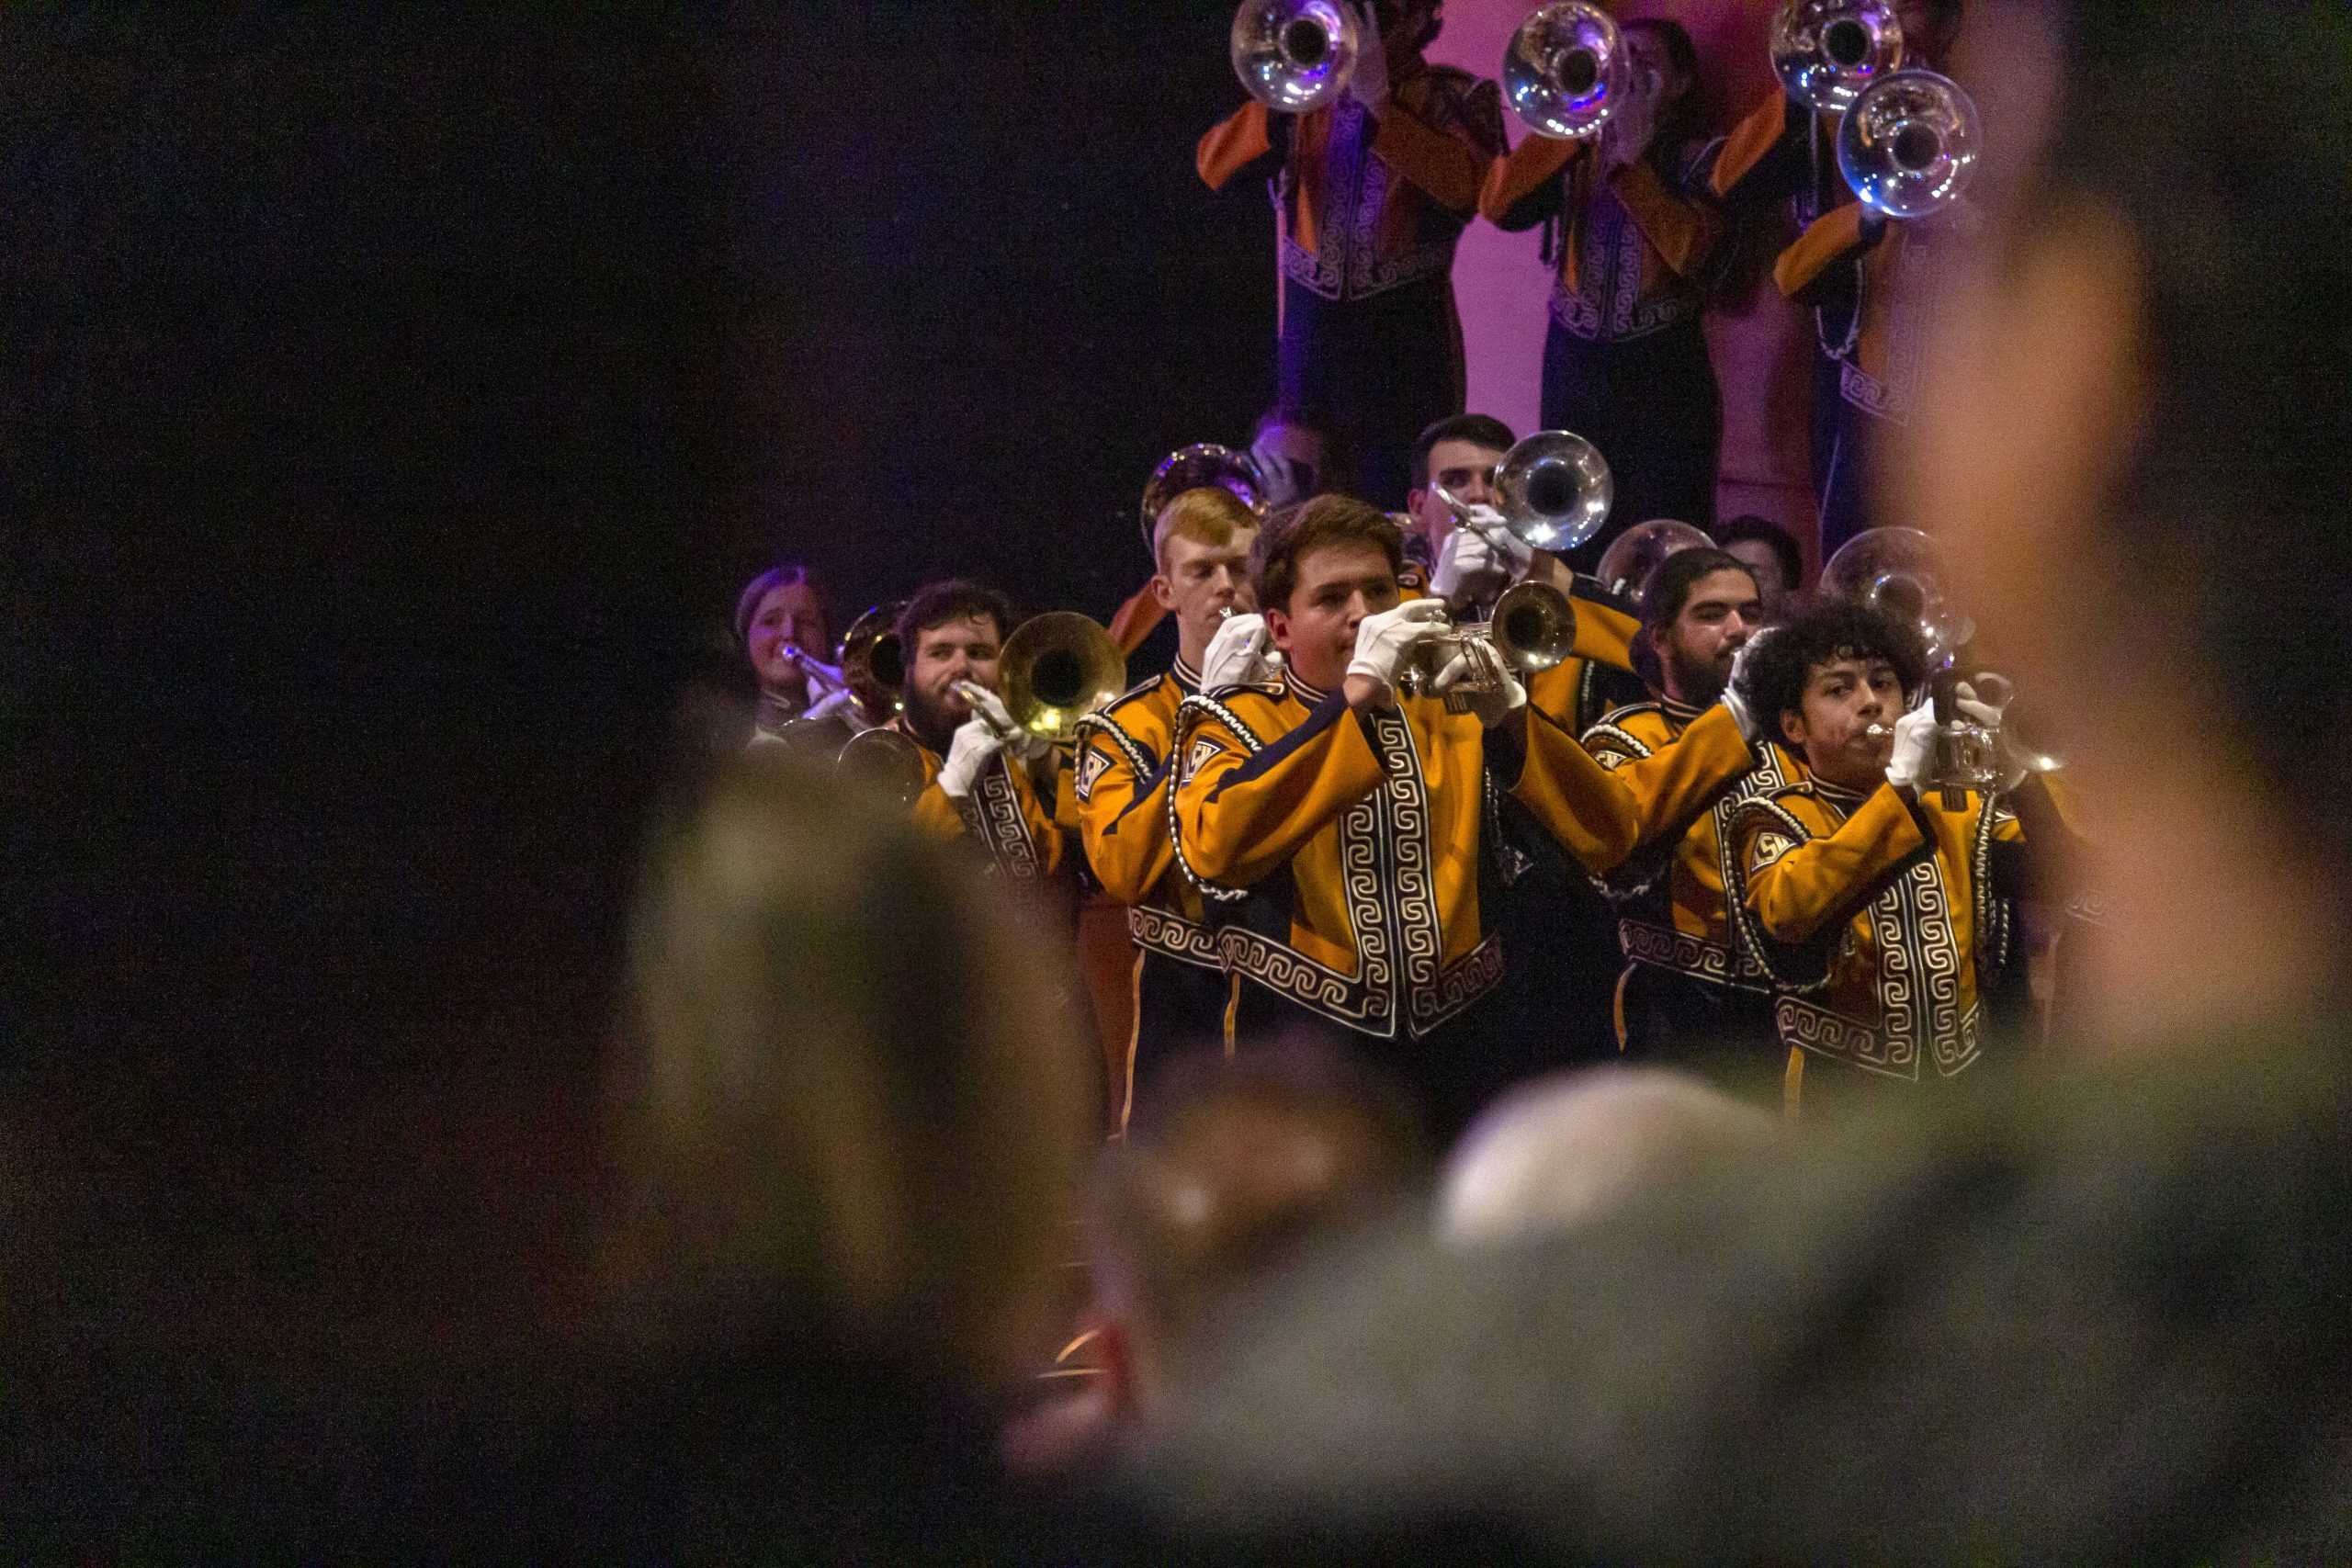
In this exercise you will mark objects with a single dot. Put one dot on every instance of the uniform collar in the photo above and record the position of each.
(1844, 800)
(1186, 677)
(1302, 691)
(1679, 712)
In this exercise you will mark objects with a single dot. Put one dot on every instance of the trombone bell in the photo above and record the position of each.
(1054, 669)
(1565, 71)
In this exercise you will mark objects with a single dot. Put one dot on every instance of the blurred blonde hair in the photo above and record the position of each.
(853, 1082)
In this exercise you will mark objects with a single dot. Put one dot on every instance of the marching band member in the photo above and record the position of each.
(1870, 286)
(1183, 994)
(1874, 905)
(1339, 817)
(781, 609)
(983, 777)
(1624, 362)
(1684, 991)
(1373, 193)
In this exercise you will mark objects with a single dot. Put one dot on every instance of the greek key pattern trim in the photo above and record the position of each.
(1348, 264)
(1187, 714)
(1173, 936)
(1816, 1029)
(1663, 948)
(993, 813)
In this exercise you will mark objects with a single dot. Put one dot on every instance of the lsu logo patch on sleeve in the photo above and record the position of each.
(1769, 848)
(1203, 748)
(1091, 768)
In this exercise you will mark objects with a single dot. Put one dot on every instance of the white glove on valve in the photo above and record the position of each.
(1504, 697)
(1241, 654)
(1384, 641)
(1914, 750)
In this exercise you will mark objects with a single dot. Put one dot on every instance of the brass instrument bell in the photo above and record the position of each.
(886, 762)
(1565, 71)
(1908, 145)
(1533, 627)
(1827, 51)
(1553, 489)
(874, 664)
(1054, 669)
(1204, 465)
(1294, 55)
(1626, 565)
(1900, 571)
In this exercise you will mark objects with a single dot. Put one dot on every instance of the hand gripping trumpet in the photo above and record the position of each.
(1533, 627)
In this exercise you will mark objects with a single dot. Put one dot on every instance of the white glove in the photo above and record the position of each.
(1504, 694)
(1751, 725)
(1384, 641)
(1914, 749)
(974, 746)
(1481, 558)
(1985, 701)
(1240, 654)
(990, 708)
(835, 702)
(1368, 82)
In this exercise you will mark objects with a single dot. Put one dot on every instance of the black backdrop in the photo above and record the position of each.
(395, 396)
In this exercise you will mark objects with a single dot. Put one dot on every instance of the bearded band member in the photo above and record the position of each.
(1686, 994)
(983, 778)
(1372, 194)
(1337, 818)
(1182, 993)
(1880, 911)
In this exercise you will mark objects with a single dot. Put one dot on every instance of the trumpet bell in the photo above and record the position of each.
(1908, 146)
(1054, 669)
(1626, 565)
(1293, 55)
(1828, 51)
(873, 662)
(886, 762)
(1565, 71)
(1203, 465)
(1901, 572)
(1554, 489)
(1534, 626)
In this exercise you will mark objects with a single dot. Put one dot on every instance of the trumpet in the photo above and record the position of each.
(1057, 669)
(1294, 55)
(1533, 627)
(1828, 51)
(1908, 144)
(1565, 71)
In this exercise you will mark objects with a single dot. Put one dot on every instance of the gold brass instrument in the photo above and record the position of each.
(1533, 627)
(884, 762)
(1828, 51)
(1054, 669)
(873, 665)
(1204, 465)
(1625, 565)
(1565, 71)
(1908, 145)
(1294, 55)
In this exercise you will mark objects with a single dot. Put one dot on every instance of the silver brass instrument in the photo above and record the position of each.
(1553, 489)
(1900, 571)
(1827, 51)
(824, 679)
(1908, 145)
(1054, 669)
(1533, 627)
(1565, 72)
(1625, 565)
(1203, 465)
(1293, 55)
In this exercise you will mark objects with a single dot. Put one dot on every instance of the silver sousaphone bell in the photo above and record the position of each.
(1565, 72)
(1908, 145)
(1626, 565)
(1203, 465)
(1294, 55)
(1827, 51)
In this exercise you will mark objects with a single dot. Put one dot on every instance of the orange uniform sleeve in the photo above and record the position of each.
(1828, 239)
(1795, 890)
(1243, 815)
(1764, 132)
(1522, 188)
(1123, 821)
(1684, 232)
(939, 814)
(1450, 169)
(1233, 144)
(1572, 795)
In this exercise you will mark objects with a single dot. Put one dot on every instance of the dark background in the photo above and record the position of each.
(396, 396)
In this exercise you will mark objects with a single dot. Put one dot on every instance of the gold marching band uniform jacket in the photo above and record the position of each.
(1671, 911)
(1117, 789)
(1879, 919)
(1020, 833)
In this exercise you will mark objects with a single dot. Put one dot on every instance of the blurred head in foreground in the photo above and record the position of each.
(2137, 451)
(854, 1080)
(1564, 1149)
(1238, 1168)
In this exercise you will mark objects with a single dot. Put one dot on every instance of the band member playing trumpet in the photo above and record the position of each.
(985, 777)
(780, 615)
(1684, 994)
(1337, 818)
(1371, 195)
(1869, 287)
(1624, 362)
(1879, 909)
(1183, 994)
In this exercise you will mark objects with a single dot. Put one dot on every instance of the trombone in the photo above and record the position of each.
(1055, 671)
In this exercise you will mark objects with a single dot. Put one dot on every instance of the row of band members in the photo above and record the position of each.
(1641, 224)
(1632, 852)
